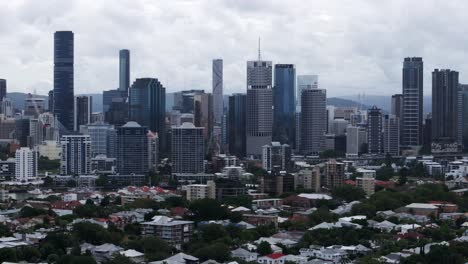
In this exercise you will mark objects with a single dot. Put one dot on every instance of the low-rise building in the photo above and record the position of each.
(174, 232)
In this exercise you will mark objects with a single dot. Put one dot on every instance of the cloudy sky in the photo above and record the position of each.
(355, 46)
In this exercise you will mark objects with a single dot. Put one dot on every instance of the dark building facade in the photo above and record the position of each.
(83, 108)
(374, 130)
(313, 121)
(412, 115)
(124, 70)
(147, 106)
(463, 112)
(3, 89)
(132, 149)
(64, 79)
(236, 125)
(284, 108)
(445, 106)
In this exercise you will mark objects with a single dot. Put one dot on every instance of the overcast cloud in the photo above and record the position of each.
(354, 46)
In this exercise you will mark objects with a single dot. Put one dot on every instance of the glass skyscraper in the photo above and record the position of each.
(124, 70)
(412, 102)
(284, 108)
(236, 124)
(63, 79)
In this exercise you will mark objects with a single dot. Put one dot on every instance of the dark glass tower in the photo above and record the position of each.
(236, 124)
(124, 70)
(147, 106)
(132, 149)
(284, 104)
(445, 106)
(3, 89)
(412, 115)
(63, 79)
(374, 130)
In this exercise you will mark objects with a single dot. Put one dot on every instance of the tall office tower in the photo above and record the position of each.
(313, 121)
(305, 82)
(36, 132)
(3, 89)
(445, 106)
(100, 134)
(153, 151)
(188, 149)
(33, 105)
(284, 104)
(63, 79)
(352, 141)
(236, 125)
(334, 174)
(148, 106)
(26, 161)
(374, 130)
(83, 108)
(50, 103)
(22, 131)
(203, 114)
(6, 107)
(412, 115)
(463, 106)
(277, 155)
(132, 149)
(49, 127)
(397, 105)
(259, 105)
(218, 107)
(76, 155)
(391, 135)
(124, 70)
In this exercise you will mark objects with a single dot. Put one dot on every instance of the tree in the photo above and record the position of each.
(145, 203)
(218, 251)
(4, 231)
(102, 181)
(240, 200)
(322, 215)
(28, 211)
(93, 233)
(349, 193)
(208, 209)
(119, 259)
(153, 247)
(8, 255)
(213, 232)
(264, 248)
(385, 173)
(69, 259)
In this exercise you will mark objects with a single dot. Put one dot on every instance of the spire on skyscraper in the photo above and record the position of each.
(259, 54)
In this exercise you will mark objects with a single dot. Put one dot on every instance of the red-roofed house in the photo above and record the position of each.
(275, 258)
(66, 205)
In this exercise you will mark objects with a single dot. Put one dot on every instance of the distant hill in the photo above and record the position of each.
(18, 100)
(340, 102)
(385, 101)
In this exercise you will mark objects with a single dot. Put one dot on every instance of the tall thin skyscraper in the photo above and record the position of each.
(3, 89)
(124, 70)
(64, 78)
(284, 104)
(391, 135)
(83, 108)
(148, 106)
(218, 91)
(445, 106)
(236, 125)
(397, 105)
(313, 121)
(259, 105)
(412, 102)
(374, 130)
(304, 82)
(463, 112)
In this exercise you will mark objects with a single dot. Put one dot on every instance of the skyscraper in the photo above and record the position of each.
(3, 89)
(397, 105)
(276, 155)
(218, 91)
(391, 135)
(203, 113)
(63, 78)
(124, 70)
(304, 82)
(374, 130)
(463, 122)
(132, 149)
(76, 155)
(236, 124)
(445, 106)
(188, 149)
(259, 106)
(313, 121)
(101, 135)
(412, 115)
(148, 106)
(83, 108)
(284, 104)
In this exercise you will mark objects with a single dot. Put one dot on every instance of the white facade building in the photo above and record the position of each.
(26, 164)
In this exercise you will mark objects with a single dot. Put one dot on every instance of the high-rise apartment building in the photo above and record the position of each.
(445, 97)
(313, 121)
(334, 174)
(284, 104)
(124, 70)
(203, 113)
(188, 149)
(304, 82)
(26, 161)
(3, 89)
(83, 108)
(397, 105)
(64, 78)
(276, 155)
(218, 106)
(259, 106)
(374, 130)
(132, 149)
(76, 155)
(391, 135)
(148, 106)
(412, 115)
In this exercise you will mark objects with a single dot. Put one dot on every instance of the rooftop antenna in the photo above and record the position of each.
(259, 54)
